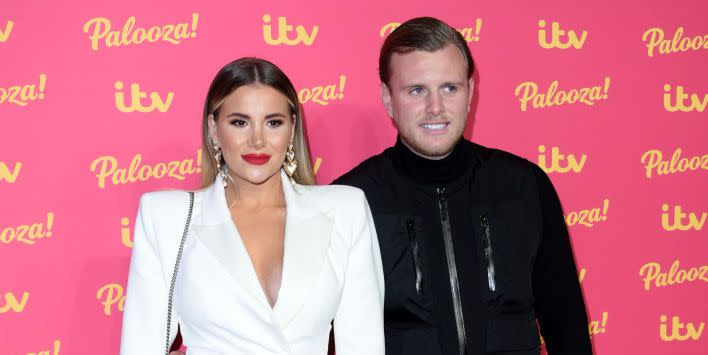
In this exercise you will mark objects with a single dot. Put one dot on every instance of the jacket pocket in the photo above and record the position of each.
(512, 335)
(488, 253)
(393, 242)
(508, 243)
(400, 241)
(413, 239)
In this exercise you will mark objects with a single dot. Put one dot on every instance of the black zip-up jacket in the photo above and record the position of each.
(475, 251)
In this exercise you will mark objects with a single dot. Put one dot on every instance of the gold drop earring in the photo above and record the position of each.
(290, 164)
(220, 168)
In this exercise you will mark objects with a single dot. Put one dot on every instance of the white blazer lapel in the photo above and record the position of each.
(308, 232)
(218, 233)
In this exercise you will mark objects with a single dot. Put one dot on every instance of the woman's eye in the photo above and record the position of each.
(275, 123)
(238, 123)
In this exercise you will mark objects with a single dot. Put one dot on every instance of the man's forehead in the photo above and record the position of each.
(446, 64)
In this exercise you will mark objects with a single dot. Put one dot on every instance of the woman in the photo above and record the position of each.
(268, 261)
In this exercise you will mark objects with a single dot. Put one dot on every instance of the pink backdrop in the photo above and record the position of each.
(622, 101)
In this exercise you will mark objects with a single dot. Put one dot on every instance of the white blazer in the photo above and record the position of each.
(331, 272)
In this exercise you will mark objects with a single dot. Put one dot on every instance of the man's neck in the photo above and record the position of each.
(431, 171)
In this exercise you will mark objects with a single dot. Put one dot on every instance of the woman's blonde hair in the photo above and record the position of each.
(247, 71)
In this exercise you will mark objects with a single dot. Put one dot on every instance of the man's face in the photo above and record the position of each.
(428, 98)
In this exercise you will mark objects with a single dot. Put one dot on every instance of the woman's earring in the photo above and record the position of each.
(221, 169)
(290, 163)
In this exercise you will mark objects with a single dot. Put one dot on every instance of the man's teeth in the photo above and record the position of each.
(434, 127)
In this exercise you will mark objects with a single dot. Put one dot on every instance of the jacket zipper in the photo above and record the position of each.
(416, 258)
(452, 269)
(489, 257)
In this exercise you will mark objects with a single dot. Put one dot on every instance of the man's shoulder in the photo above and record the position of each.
(499, 161)
(507, 174)
(368, 171)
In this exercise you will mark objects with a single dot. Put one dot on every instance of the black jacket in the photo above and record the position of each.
(506, 240)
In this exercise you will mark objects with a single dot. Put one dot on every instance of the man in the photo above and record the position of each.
(474, 245)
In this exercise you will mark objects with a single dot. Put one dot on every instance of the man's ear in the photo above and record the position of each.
(386, 98)
(470, 84)
(211, 121)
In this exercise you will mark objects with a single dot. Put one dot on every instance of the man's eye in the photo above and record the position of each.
(450, 89)
(238, 123)
(417, 91)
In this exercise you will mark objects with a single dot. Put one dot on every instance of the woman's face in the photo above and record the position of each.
(253, 128)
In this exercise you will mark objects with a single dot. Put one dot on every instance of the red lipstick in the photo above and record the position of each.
(256, 159)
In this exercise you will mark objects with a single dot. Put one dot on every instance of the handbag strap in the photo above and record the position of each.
(174, 273)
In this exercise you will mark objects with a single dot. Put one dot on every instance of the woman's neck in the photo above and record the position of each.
(241, 193)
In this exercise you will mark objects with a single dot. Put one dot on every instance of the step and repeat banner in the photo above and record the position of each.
(100, 102)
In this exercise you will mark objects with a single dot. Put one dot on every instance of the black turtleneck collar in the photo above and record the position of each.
(433, 172)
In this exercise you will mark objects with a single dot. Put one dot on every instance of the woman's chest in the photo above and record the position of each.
(221, 287)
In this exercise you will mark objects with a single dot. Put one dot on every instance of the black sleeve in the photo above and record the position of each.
(350, 179)
(340, 181)
(357, 177)
(559, 304)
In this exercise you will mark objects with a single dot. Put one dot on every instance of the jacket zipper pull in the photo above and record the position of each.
(488, 253)
(443, 200)
(416, 258)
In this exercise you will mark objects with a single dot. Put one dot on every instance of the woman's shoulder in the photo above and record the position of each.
(340, 199)
(337, 194)
(164, 197)
(166, 202)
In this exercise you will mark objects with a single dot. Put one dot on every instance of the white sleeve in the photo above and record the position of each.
(145, 308)
(358, 324)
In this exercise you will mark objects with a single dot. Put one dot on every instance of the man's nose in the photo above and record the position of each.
(434, 105)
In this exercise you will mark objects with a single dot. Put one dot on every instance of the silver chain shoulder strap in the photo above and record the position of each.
(174, 273)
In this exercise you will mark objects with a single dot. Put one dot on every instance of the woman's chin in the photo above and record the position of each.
(257, 177)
